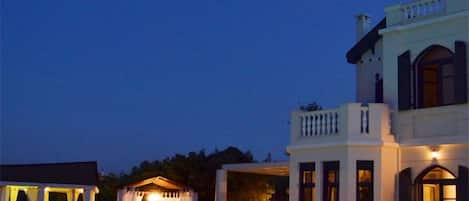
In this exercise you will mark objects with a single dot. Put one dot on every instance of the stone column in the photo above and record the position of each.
(4, 193)
(221, 188)
(88, 194)
(41, 195)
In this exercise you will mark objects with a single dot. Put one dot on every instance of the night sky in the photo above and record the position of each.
(125, 81)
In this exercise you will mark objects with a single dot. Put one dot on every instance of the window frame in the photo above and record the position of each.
(418, 77)
(309, 166)
(365, 165)
(420, 181)
(330, 166)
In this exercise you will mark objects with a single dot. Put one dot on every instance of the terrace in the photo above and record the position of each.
(350, 123)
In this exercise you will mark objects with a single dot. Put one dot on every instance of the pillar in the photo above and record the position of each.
(88, 194)
(4, 193)
(221, 188)
(41, 195)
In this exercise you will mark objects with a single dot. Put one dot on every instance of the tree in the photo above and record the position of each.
(196, 170)
(310, 107)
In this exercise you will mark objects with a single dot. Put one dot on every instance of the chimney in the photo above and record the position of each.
(363, 25)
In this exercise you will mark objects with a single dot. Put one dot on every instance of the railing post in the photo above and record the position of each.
(297, 126)
(379, 120)
(350, 119)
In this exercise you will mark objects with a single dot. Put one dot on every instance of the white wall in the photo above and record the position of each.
(385, 168)
(427, 124)
(366, 69)
(419, 157)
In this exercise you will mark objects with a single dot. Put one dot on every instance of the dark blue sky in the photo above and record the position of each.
(126, 81)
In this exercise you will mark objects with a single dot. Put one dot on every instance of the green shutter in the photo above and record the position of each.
(404, 73)
(460, 64)
(405, 185)
(462, 185)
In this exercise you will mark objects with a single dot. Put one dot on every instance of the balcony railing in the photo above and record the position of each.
(413, 11)
(352, 121)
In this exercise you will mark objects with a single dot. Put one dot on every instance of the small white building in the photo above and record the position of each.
(156, 189)
(407, 136)
(75, 181)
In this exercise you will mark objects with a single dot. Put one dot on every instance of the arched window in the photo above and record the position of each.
(436, 77)
(436, 184)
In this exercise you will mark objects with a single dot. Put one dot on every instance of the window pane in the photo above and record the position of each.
(364, 176)
(449, 192)
(309, 194)
(307, 177)
(333, 193)
(430, 97)
(437, 53)
(364, 193)
(448, 90)
(430, 74)
(447, 70)
(331, 176)
(438, 173)
(431, 192)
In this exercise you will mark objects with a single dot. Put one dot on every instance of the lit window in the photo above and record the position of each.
(308, 182)
(331, 181)
(364, 180)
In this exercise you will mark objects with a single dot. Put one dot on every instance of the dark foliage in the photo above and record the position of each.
(198, 171)
(310, 107)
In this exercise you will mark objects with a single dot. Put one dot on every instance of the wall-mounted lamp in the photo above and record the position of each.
(435, 153)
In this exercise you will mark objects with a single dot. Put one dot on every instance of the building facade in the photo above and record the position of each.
(407, 137)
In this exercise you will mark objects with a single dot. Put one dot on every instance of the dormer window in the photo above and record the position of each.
(436, 77)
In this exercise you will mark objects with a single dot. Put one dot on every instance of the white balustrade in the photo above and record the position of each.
(352, 121)
(423, 8)
(317, 123)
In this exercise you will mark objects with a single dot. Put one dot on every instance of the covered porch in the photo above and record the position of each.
(49, 182)
(269, 168)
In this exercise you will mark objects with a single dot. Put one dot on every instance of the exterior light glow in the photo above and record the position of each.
(435, 154)
(154, 197)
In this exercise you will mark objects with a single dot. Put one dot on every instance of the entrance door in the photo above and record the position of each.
(439, 192)
(437, 184)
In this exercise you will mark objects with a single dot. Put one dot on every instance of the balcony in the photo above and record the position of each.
(351, 123)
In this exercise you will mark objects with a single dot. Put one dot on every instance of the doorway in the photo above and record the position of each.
(436, 184)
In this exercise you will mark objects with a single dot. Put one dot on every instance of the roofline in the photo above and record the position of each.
(53, 185)
(364, 44)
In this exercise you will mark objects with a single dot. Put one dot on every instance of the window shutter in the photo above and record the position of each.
(460, 64)
(404, 69)
(462, 186)
(405, 185)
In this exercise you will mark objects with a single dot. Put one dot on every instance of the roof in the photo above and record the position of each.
(367, 42)
(159, 181)
(80, 173)
(269, 168)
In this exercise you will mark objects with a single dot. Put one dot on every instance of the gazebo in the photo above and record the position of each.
(156, 189)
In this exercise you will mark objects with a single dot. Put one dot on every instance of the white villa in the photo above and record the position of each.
(407, 137)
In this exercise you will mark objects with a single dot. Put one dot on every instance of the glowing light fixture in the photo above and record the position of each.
(154, 197)
(435, 153)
